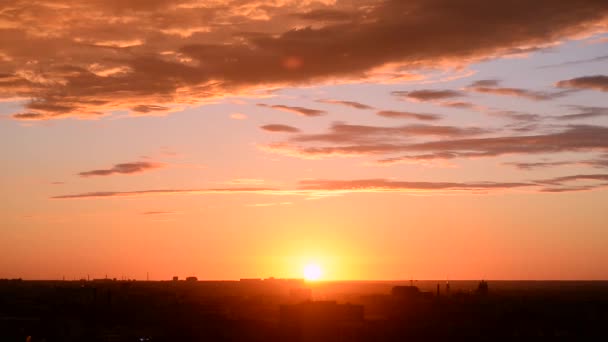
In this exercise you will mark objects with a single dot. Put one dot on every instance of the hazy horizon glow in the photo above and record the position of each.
(376, 139)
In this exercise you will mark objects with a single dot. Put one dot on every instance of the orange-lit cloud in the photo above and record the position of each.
(325, 187)
(87, 59)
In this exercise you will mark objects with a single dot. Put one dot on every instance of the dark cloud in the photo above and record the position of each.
(597, 82)
(340, 133)
(493, 87)
(123, 168)
(584, 112)
(28, 116)
(599, 162)
(535, 165)
(64, 59)
(364, 140)
(388, 185)
(428, 94)
(577, 62)
(280, 128)
(515, 115)
(408, 115)
(149, 108)
(564, 184)
(352, 104)
(297, 110)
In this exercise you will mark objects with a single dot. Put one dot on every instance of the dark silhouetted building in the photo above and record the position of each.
(321, 321)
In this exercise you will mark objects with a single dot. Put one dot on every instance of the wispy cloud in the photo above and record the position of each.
(296, 110)
(139, 193)
(349, 140)
(408, 115)
(123, 168)
(327, 187)
(351, 104)
(493, 87)
(596, 82)
(428, 94)
(577, 62)
(584, 112)
(280, 128)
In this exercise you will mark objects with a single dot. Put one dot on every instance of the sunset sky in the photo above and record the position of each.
(424, 139)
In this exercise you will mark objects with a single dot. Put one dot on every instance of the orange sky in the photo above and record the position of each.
(230, 139)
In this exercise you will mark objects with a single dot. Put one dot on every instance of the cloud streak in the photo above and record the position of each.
(123, 168)
(408, 115)
(351, 140)
(493, 87)
(296, 110)
(280, 128)
(428, 94)
(325, 187)
(597, 82)
(352, 104)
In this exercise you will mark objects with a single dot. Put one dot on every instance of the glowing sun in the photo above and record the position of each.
(312, 272)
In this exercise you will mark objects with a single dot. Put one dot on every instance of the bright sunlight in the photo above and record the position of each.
(312, 272)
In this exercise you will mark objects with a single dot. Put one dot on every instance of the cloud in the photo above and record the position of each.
(584, 112)
(144, 109)
(340, 133)
(600, 162)
(577, 62)
(280, 128)
(350, 140)
(408, 115)
(493, 87)
(597, 82)
(297, 110)
(564, 184)
(140, 193)
(351, 104)
(558, 184)
(124, 168)
(91, 58)
(315, 188)
(390, 185)
(428, 95)
(459, 105)
(515, 115)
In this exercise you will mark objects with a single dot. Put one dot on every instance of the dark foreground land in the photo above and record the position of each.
(292, 310)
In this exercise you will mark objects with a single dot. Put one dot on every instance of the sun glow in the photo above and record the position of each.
(312, 272)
